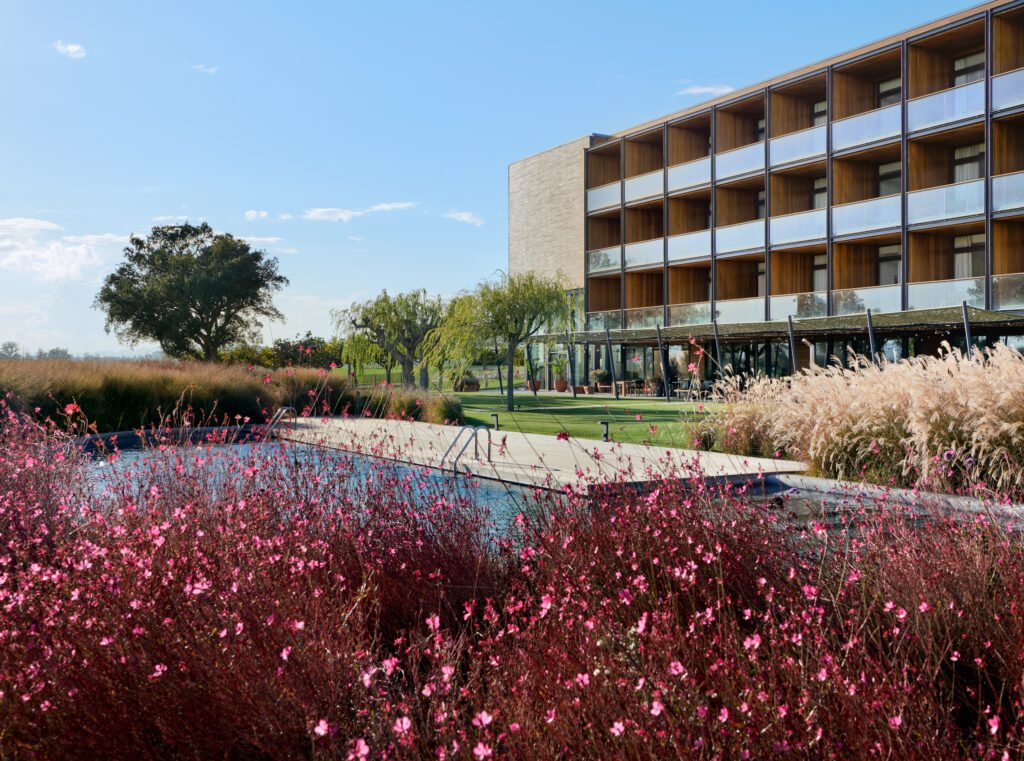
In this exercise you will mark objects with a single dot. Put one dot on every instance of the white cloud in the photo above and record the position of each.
(255, 240)
(252, 215)
(284, 216)
(357, 239)
(347, 215)
(287, 250)
(712, 90)
(464, 216)
(206, 69)
(71, 50)
(171, 218)
(25, 247)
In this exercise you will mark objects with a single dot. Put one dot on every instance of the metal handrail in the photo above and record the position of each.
(281, 412)
(454, 442)
(476, 451)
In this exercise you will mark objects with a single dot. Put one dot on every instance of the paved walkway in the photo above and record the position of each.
(526, 458)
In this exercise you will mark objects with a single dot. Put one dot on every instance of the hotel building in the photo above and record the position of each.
(889, 179)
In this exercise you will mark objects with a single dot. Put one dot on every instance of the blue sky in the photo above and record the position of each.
(365, 145)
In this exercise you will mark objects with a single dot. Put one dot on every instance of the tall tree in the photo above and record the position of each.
(510, 311)
(191, 290)
(397, 324)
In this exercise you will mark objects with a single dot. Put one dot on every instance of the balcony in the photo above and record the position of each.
(1008, 90)
(689, 175)
(698, 313)
(796, 146)
(946, 293)
(740, 310)
(797, 305)
(797, 228)
(690, 246)
(952, 105)
(645, 252)
(604, 259)
(644, 317)
(645, 186)
(612, 320)
(749, 158)
(879, 298)
(866, 216)
(963, 199)
(604, 196)
(1008, 191)
(869, 127)
(1008, 291)
(742, 237)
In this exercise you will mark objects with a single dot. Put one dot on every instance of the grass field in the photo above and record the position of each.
(636, 421)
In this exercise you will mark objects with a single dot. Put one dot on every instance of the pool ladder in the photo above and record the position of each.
(473, 439)
(278, 416)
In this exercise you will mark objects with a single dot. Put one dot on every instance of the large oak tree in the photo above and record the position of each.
(191, 290)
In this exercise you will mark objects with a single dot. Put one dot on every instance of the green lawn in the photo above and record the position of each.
(660, 423)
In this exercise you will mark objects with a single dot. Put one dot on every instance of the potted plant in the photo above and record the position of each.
(467, 382)
(558, 367)
(602, 379)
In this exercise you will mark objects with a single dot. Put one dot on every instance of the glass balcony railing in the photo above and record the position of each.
(604, 259)
(698, 313)
(749, 158)
(1008, 291)
(645, 186)
(805, 144)
(644, 317)
(797, 305)
(878, 298)
(869, 127)
(645, 252)
(690, 174)
(740, 310)
(612, 320)
(865, 216)
(947, 106)
(604, 196)
(1008, 90)
(1008, 191)
(963, 199)
(796, 228)
(689, 245)
(741, 237)
(946, 293)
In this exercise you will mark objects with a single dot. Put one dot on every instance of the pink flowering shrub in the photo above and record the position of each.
(213, 602)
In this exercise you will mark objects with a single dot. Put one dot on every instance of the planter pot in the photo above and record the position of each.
(561, 385)
(471, 387)
(582, 389)
(533, 385)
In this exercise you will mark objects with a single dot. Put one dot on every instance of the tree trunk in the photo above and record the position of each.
(511, 358)
(387, 374)
(408, 380)
(424, 377)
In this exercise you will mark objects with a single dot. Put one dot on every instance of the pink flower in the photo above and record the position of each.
(285, 653)
(562, 435)
(676, 668)
(360, 748)
(993, 725)
(433, 623)
(482, 751)
(895, 722)
(482, 719)
(545, 605)
(723, 715)
(402, 725)
(71, 408)
(321, 728)
(389, 665)
(618, 728)
(638, 417)
(924, 607)
(656, 708)
(901, 614)
(550, 717)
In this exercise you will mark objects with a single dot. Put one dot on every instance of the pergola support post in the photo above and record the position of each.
(871, 339)
(664, 366)
(611, 363)
(529, 370)
(967, 330)
(572, 364)
(793, 364)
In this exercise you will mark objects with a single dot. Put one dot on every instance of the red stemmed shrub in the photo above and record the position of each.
(269, 602)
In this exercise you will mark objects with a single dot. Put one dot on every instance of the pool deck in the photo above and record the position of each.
(527, 459)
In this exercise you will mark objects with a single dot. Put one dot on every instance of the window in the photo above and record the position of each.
(889, 265)
(819, 113)
(969, 68)
(890, 91)
(969, 256)
(889, 178)
(969, 162)
(759, 131)
(819, 279)
(819, 193)
(760, 280)
(760, 205)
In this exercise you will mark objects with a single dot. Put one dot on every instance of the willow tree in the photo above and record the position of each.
(509, 311)
(397, 324)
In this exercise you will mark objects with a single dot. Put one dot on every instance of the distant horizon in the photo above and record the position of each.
(365, 147)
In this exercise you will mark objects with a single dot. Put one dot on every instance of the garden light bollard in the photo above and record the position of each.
(604, 433)
(495, 416)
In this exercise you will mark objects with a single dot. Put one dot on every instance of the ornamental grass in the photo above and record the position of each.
(271, 602)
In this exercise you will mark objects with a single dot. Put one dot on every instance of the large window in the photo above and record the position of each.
(759, 131)
(889, 178)
(761, 281)
(760, 204)
(969, 256)
(819, 114)
(889, 265)
(969, 68)
(819, 279)
(890, 91)
(819, 193)
(969, 162)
